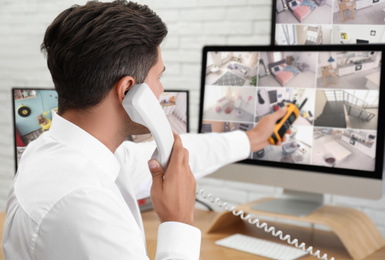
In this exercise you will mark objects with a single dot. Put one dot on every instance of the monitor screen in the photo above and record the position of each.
(316, 22)
(33, 109)
(338, 130)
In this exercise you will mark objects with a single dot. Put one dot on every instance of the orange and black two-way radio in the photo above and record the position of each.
(283, 124)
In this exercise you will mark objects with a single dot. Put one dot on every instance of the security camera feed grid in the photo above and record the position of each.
(336, 94)
(316, 22)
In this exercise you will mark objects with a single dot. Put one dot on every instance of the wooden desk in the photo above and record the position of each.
(346, 5)
(326, 241)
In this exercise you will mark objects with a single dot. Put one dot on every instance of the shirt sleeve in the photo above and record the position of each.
(207, 152)
(178, 241)
(211, 151)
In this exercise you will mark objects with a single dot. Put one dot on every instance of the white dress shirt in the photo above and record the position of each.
(74, 199)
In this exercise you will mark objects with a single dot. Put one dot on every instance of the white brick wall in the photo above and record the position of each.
(191, 23)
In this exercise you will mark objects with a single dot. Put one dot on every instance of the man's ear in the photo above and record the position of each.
(123, 86)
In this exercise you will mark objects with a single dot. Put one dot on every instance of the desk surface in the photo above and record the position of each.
(326, 241)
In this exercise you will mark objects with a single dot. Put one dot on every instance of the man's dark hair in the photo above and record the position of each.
(90, 48)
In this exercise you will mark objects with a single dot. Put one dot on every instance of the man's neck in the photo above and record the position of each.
(99, 123)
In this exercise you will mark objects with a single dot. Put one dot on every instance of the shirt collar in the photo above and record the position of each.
(69, 133)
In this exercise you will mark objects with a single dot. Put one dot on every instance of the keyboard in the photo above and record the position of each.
(261, 247)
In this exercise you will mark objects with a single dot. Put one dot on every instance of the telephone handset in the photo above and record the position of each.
(143, 108)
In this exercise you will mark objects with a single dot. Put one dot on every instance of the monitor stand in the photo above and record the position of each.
(293, 203)
(356, 231)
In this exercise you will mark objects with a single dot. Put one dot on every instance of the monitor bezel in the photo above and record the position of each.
(379, 164)
(41, 88)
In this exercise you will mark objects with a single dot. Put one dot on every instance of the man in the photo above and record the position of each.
(75, 193)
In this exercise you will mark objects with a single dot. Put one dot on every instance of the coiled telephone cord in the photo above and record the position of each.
(261, 225)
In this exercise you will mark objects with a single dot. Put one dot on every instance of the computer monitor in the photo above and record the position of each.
(33, 109)
(316, 22)
(336, 145)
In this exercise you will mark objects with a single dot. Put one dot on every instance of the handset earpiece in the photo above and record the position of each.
(143, 108)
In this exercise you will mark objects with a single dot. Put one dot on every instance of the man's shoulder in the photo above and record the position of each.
(50, 152)
(50, 172)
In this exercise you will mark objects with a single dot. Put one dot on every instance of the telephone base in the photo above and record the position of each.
(355, 230)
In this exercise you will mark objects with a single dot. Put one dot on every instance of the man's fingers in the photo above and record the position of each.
(280, 113)
(177, 150)
(186, 156)
(156, 172)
